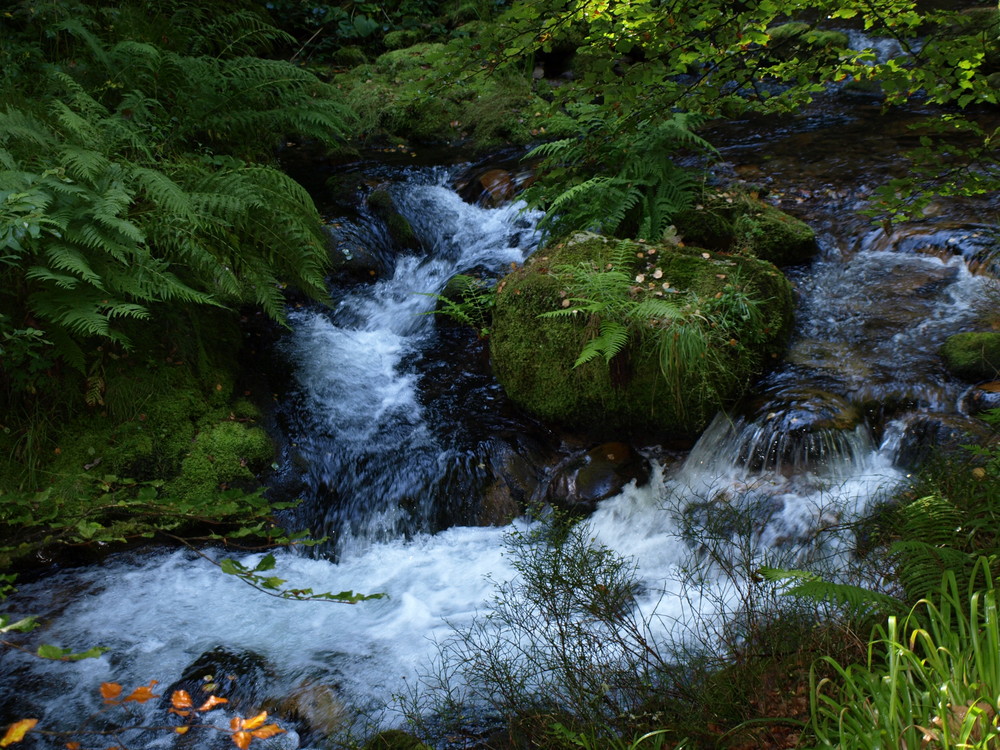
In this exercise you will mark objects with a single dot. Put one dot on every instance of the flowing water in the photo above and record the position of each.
(393, 429)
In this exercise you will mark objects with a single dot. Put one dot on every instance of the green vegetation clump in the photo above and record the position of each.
(681, 333)
(973, 356)
(402, 96)
(736, 220)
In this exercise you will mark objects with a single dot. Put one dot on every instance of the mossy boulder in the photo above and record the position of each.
(735, 219)
(741, 308)
(973, 356)
(163, 438)
(403, 96)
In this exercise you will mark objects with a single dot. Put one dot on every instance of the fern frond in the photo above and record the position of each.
(61, 280)
(611, 341)
(82, 163)
(67, 258)
(857, 600)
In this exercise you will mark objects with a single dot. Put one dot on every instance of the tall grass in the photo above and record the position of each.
(932, 680)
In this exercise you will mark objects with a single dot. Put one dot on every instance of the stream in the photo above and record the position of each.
(392, 429)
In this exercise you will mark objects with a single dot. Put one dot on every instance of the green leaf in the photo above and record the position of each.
(266, 563)
(25, 625)
(56, 653)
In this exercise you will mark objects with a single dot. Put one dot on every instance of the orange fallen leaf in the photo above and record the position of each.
(266, 731)
(16, 731)
(181, 699)
(181, 730)
(110, 691)
(237, 723)
(212, 702)
(242, 740)
(72, 746)
(142, 694)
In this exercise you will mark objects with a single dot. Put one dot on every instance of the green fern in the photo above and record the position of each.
(639, 187)
(130, 176)
(856, 601)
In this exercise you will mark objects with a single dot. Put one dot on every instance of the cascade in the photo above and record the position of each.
(378, 453)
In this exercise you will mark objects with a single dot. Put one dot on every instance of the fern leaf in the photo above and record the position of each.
(61, 280)
(856, 599)
(82, 163)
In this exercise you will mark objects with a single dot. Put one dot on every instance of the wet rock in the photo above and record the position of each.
(498, 506)
(491, 186)
(314, 707)
(981, 398)
(237, 676)
(518, 476)
(381, 204)
(584, 479)
(798, 427)
(946, 434)
(973, 356)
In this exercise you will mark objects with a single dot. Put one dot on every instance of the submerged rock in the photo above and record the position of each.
(730, 319)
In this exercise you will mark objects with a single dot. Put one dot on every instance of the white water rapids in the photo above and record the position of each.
(158, 611)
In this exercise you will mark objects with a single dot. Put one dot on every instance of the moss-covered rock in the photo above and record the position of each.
(402, 96)
(973, 356)
(740, 307)
(737, 220)
(154, 452)
(224, 455)
(400, 230)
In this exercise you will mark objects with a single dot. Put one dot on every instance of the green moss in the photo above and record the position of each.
(223, 455)
(166, 440)
(735, 220)
(401, 38)
(773, 235)
(533, 357)
(399, 228)
(973, 356)
(402, 96)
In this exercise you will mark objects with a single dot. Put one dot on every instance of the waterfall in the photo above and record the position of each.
(378, 454)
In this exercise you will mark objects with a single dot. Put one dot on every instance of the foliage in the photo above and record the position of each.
(132, 185)
(275, 586)
(132, 724)
(615, 176)
(646, 59)
(561, 638)
(684, 329)
(654, 740)
(853, 602)
(932, 679)
(469, 301)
